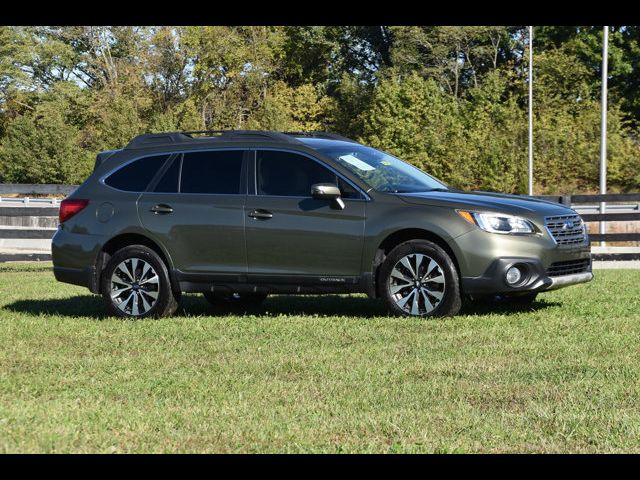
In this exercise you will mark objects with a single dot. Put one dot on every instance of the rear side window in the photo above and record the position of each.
(212, 172)
(169, 181)
(135, 176)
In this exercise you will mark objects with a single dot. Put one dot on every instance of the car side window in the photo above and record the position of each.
(290, 174)
(347, 190)
(135, 176)
(169, 181)
(212, 172)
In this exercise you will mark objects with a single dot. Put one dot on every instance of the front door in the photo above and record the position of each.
(289, 233)
(196, 210)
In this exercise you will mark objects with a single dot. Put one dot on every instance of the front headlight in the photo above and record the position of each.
(497, 222)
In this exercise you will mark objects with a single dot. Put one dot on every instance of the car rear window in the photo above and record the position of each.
(212, 172)
(135, 176)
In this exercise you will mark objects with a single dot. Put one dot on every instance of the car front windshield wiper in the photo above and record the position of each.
(437, 189)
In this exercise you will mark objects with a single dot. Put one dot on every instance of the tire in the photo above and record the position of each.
(236, 301)
(436, 283)
(142, 280)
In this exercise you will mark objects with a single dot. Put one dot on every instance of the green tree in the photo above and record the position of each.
(286, 108)
(42, 146)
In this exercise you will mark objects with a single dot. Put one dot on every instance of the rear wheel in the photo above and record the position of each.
(135, 283)
(418, 278)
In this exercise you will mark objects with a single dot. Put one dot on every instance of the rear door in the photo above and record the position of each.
(289, 233)
(196, 209)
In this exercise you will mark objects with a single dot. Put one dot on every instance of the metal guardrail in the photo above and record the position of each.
(612, 207)
(29, 201)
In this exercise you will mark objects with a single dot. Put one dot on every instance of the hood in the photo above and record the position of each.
(487, 201)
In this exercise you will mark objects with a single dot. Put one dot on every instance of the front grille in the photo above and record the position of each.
(569, 267)
(566, 229)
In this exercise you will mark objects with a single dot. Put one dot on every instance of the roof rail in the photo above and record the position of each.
(160, 139)
(332, 136)
(153, 139)
(242, 134)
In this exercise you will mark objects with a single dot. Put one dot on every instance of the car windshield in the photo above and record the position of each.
(383, 172)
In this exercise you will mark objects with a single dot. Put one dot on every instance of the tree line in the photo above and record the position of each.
(451, 100)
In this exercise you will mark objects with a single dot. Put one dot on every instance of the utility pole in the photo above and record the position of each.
(603, 127)
(530, 174)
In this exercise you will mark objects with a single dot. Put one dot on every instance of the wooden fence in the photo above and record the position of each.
(35, 189)
(51, 210)
(632, 215)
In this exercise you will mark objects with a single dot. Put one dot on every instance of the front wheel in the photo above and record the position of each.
(418, 278)
(135, 283)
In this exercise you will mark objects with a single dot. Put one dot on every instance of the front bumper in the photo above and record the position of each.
(536, 278)
(483, 259)
(567, 280)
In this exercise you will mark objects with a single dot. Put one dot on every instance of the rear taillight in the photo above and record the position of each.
(69, 207)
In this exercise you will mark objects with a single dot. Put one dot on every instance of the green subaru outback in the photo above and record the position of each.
(239, 215)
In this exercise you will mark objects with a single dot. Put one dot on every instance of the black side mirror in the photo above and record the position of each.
(328, 191)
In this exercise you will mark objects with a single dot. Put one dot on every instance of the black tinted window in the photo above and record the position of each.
(135, 176)
(212, 172)
(169, 181)
(346, 190)
(289, 174)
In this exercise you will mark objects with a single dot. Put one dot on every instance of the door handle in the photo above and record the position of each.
(161, 209)
(261, 215)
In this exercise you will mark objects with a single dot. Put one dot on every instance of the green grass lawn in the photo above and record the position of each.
(319, 374)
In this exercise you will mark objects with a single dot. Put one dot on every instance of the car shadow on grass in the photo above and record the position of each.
(275, 305)
(195, 305)
(301, 305)
(77, 306)
(498, 307)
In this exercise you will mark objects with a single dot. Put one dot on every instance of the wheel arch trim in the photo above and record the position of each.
(395, 238)
(131, 237)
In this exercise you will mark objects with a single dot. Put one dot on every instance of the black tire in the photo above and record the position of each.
(425, 283)
(236, 301)
(139, 296)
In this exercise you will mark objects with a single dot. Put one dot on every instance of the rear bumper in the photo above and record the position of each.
(76, 276)
(74, 257)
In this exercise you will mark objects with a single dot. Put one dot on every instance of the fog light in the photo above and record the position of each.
(514, 275)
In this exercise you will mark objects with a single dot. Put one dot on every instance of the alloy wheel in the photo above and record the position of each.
(417, 284)
(135, 286)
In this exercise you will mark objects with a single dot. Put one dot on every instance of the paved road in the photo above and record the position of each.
(629, 264)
